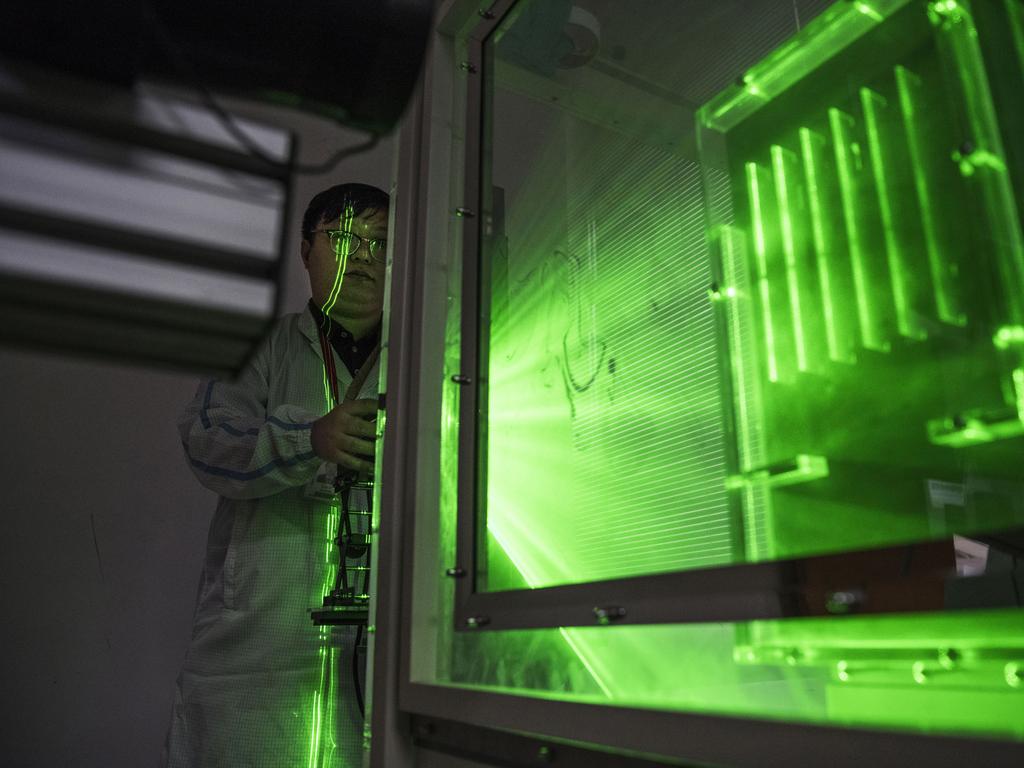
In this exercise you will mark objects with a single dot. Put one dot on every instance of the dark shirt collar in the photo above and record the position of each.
(353, 352)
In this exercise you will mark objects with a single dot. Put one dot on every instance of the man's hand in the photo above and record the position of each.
(346, 434)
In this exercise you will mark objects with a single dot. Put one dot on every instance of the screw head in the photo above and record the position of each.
(843, 601)
(1014, 674)
(605, 615)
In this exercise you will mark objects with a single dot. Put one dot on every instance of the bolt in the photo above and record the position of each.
(843, 601)
(1014, 674)
(464, 213)
(460, 379)
(606, 615)
(486, 14)
(843, 670)
(475, 622)
(455, 573)
(546, 754)
(468, 66)
(966, 148)
(424, 729)
(949, 658)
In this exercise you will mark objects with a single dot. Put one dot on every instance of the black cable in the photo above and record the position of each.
(359, 629)
(227, 120)
(355, 670)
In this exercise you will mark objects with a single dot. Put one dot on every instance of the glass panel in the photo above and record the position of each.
(757, 305)
(606, 453)
(869, 392)
(929, 672)
(873, 272)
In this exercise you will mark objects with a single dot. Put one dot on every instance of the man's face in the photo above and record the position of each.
(361, 291)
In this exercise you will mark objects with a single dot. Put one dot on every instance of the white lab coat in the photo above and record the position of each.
(247, 695)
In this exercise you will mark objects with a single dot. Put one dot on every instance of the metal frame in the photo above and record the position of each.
(704, 739)
(406, 714)
(770, 590)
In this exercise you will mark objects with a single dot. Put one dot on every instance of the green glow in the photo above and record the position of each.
(868, 11)
(1009, 336)
(322, 744)
(341, 253)
(958, 33)
(832, 32)
(846, 153)
(1015, 17)
(838, 338)
(782, 195)
(943, 274)
(761, 254)
(802, 469)
(1018, 390)
(873, 104)
(860, 240)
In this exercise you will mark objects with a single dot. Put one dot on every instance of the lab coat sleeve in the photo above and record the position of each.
(237, 448)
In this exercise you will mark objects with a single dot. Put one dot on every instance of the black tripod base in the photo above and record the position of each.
(341, 615)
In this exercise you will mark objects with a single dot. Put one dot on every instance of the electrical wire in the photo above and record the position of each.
(228, 122)
(355, 671)
(359, 629)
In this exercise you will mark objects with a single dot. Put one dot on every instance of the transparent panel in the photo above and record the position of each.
(873, 277)
(794, 330)
(754, 292)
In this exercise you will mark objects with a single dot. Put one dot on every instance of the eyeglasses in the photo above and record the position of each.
(346, 243)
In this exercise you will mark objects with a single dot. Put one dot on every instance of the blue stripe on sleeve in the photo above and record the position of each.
(252, 474)
(203, 415)
(286, 424)
(239, 432)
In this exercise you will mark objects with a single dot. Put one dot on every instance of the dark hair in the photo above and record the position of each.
(331, 204)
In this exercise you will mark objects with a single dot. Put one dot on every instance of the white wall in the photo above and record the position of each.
(103, 529)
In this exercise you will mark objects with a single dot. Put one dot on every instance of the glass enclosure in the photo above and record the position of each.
(754, 289)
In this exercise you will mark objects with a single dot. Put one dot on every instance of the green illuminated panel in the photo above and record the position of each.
(769, 270)
(928, 672)
(923, 154)
(840, 369)
(983, 157)
(885, 147)
(805, 302)
(833, 31)
(861, 231)
(834, 275)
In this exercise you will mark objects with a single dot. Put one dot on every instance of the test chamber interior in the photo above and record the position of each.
(749, 291)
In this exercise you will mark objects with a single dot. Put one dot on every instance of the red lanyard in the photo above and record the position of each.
(329, 369)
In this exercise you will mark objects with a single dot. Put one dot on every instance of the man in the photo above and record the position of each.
(261, 686)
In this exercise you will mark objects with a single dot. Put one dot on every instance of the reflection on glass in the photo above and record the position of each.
(792, 331)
